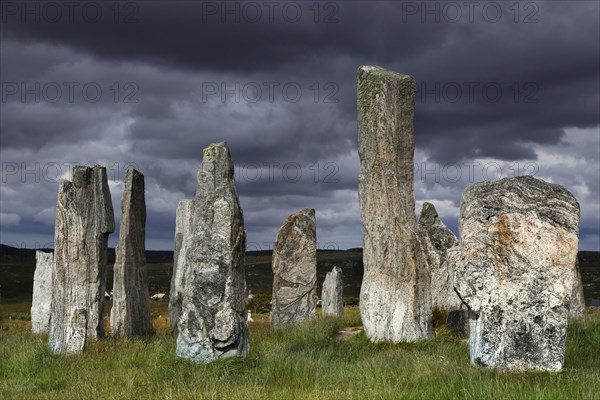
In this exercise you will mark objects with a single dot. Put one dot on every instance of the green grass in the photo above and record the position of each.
(302, 362)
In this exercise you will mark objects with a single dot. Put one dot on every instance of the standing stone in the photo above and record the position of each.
(84, 219)
(212, 322)
(438, 240)
(42, 292)
(130, 313)
(183, 229)
(332, 296)
(395, 299)
(295, 269)
(516, 270)
(577, 306)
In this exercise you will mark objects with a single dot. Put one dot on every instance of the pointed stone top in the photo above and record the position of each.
(376, 70)
(216, 161)
(428, 215)
(132, 174)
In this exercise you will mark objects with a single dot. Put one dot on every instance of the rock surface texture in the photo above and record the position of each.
(516, 270)
(84, 219)
(295, 269)
(183, 229)
(577, 306)
(130, 313)
(212, 322)
(42, 292)
(332, 295)
(395, 298)
(438, 240)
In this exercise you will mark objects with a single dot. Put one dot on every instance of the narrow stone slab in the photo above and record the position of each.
(42, 292)
(395, 298)
(212, 323)
(438, 240)
(516, 270)
(183, 229)
(130, 313)
(294, 265)
(577, 305)
(332, 295)
(84, 219)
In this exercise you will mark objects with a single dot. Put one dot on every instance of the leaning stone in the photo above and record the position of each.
(438, 240)
(183, 229)
(212, 322)
(130, 313)
(84, 219)
(395, 298)
(294, 297)
(332, 295)
(42, 292)
(515, 271)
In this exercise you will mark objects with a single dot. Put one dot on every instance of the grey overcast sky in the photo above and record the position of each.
(504, 88)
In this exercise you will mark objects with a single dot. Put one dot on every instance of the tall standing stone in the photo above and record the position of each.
(294, 265)
(130, 313)
(395, 299)
(183, 229)
(212, 323)
(42, 292)
(332, 295)
(84, 219)
(516, 271)
(438, 240)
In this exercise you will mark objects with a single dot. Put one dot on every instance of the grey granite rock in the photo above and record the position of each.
(516, 271)
(183, 229)
(130, 313)
(212, 322)
(42, 292)
(295, 269)
(332, 295)
(438, 240)
(395, 298)
(84, 219)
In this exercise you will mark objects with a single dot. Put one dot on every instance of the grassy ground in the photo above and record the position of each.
(304, 362)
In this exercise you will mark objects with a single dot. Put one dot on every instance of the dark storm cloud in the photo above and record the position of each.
(501, 88)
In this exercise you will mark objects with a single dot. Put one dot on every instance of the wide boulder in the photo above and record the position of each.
(516, 270)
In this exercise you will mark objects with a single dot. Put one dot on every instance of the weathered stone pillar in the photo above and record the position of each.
(212, 323)
(295, 269)
(183, 229)
(130, 313)
(84, 219)
(395, 299)
(42, 292)
(332, 295)
(577, 306)
(438, 240)
(516, 270)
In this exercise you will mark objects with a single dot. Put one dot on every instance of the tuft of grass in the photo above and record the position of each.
(307, 361)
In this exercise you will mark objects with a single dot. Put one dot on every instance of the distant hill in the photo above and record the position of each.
(18, 265)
